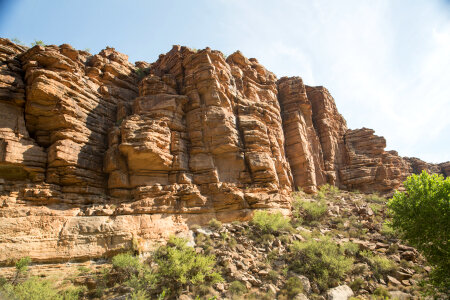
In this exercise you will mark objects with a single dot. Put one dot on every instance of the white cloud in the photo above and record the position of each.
(387, 64)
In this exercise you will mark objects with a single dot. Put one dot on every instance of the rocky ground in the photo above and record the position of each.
(262, 263)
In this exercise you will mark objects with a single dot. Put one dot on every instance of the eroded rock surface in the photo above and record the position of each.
(97, 153)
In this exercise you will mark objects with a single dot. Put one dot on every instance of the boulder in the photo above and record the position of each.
(342, 292)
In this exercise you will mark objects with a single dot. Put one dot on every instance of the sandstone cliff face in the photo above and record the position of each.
(97, 153)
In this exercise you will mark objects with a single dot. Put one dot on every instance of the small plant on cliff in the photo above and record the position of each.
(37, 42)
(422, 215)
(17, 41)
(142, 72)
(21, 267)
(271, 222)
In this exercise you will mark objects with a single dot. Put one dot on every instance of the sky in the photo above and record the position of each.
(386, 62)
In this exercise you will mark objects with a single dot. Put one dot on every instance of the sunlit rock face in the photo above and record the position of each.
(97, 153)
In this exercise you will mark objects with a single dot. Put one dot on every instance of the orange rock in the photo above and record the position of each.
(96, 152)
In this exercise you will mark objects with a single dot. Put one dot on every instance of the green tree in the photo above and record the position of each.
(422, 216)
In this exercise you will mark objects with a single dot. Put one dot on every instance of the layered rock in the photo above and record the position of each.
(204, 135)
(20, 157)
(97, 154)
(71, 103)
(314, 134)
(369, 168)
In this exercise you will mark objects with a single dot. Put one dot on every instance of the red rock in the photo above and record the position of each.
(96, 152)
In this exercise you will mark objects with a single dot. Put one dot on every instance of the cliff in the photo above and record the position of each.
(97, 153)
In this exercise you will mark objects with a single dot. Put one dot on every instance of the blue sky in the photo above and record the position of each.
(386, 63)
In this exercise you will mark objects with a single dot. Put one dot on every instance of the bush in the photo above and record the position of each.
(214, 223)
(375, 198)
(237, 288)
(311, 211)
(138, 295)
(322, 261)
(293, 287)
(329, 189)
(142, 72)
(273, 276)
(357, 284)
(37, 42)
(381, 266)
(32, 289)
(125, 261)
(22, 264)
(388, 231)
(350, 249)
(382, 292)
(21, 267)
(180, 266)
(422, 215)
(17, 41)
(126, 266)
(376, 208)
(271, 222)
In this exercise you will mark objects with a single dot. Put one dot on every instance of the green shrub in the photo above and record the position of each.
(126, 266)
(323, 261)
(126, 261)
(271, 222)
(381, 266)
(311, 211)
(267, 238)
(139, 295)
(273, 276)
(237, 288)
(21, 267)
(83, 270)
(293, 287)
(375, 198)
(357, 284)
(180, 266)
(329, 189)
(73, 293)
(3, 281)
(32, 289)
(422, 215)
(350, 249)
(393, 248)
(22, 264)
(142, 72)
(388, 231)
(37, 42)
(214, 223)
(376, 208)
(17, 41)
(382, 292)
